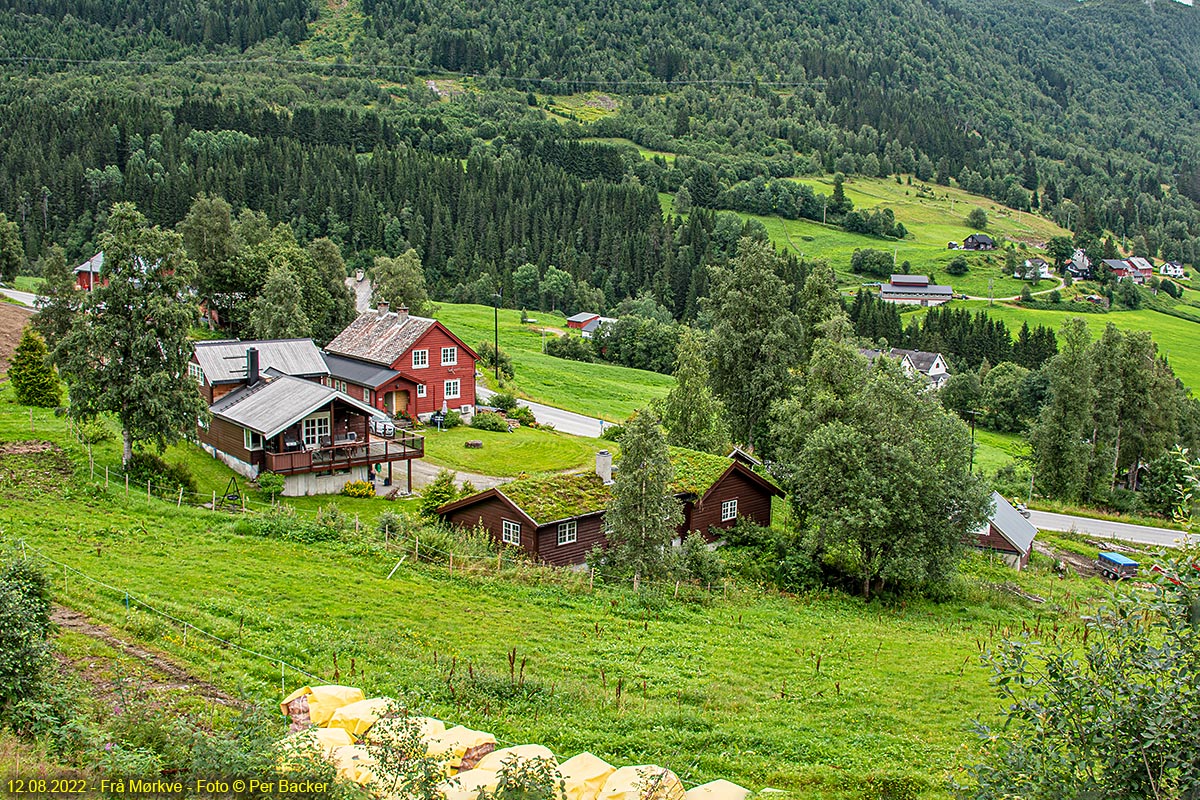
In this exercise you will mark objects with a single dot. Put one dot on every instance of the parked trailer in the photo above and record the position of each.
(1116, 566)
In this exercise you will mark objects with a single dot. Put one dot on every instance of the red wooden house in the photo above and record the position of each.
(402, 364)
(87, 274)
(581, 320)
(558, 519)
(1006, 533)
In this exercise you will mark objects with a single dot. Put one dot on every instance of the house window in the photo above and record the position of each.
(252, 440)
(510, 532)
(728, 510)
(316, 429)
(195, 372)
(567, 532)
(420, 359)
(367, 395)
(420, 390)
(450, 390)
(449, 356)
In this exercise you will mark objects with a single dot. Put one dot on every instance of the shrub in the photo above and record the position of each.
(524, 415)
(282, 522)
(32, 376)
(1056, 297)
(1170, 288)
(574, 348)
(958, 266)
(977, 219)
(390, 525)
(613, 433)
(270, 484)
(487, 360)
(358, 489)
(1026, 294)
(24, 624)
(490, 421)
(453, 420)
(505, 401)
(165, 478)
(441, 490)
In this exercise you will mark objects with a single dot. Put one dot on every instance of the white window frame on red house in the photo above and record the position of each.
(729, 510)
(420, 390)
(568, 532)
(449, 356)
(457, 389)
(510, 532)
(423, 361)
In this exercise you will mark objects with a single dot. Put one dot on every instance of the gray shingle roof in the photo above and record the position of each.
(277, 402)
(380, 338)
(1016, 530)
(361, 372)
(920, 359)
(225, 361)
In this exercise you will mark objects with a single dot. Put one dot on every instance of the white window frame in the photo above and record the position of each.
(568, 532)
(196, 372)
(367, 396)
(249, 438)
(420, 359)
(457, 389)
(316, 420)
(729, 510)
(449, 356)
(510, 532)
(420, 390)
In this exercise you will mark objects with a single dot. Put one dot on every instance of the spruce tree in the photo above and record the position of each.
(32, 375)
(643, 514)
(12, 251)
(58, 300)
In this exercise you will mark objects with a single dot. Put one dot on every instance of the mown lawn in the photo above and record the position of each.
(818, 693)
(995, 450)
(509, 454)
(598, 390)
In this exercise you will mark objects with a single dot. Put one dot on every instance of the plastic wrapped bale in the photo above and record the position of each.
(584, 776)
(318, 702)
(353, 763)
(462, 747)
(522, 752)
(646, 782)
(301, 749)
(468, 785)
(391, 729)
(718, 790)
(357, 718)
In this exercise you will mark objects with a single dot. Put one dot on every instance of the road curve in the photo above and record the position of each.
(1104, 529)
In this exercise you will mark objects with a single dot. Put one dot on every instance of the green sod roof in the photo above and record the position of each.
(573, 494)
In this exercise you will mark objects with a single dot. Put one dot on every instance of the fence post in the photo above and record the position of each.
(92, 467)
(591, 579)
(127, 484)
(452, 563)
(243, 496)
(31, 420)
(356, 524)
(214, 502)
(105, 477)
(499, 563)
(147, 488)
(417, 548)
(179, 502)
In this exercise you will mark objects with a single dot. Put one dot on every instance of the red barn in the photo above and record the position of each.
(559, 518)
(402, 364)
(87, 274)
(580, 320)
(1007, 533)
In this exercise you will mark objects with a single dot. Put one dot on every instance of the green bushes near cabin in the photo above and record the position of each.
(165, 479)
(490, 421)
(573, 348)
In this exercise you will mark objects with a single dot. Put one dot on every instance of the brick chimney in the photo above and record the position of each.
(383, 308)
(604, 466)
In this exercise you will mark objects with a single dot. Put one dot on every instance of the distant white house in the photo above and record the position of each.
(592, 325)
(1034, 267)
(931, 366)
(1171, 269)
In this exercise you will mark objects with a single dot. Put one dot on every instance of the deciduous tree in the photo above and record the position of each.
(279, 311)
(400, 281)
(692, 416)
(128, 350)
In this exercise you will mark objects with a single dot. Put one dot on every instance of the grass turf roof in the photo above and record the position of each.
(573, 494)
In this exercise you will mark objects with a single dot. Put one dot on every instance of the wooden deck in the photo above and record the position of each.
(347, 454)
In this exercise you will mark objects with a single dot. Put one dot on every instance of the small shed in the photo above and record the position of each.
(1007, 533)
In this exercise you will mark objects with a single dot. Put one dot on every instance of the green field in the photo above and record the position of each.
(994, 450)
(507, 455)
(931, 223)
(598, 390)
(1178, 339)
(817, 693)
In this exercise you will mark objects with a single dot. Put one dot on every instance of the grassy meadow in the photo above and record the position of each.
(507, 455)
(820, 694)
(598, 390)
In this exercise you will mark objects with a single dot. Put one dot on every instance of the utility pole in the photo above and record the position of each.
(496, 335)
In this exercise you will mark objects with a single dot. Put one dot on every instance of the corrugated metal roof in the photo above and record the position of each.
(582, 316)
(361, 372)
(1017, 531)
(910, 280)
(277, 402)
(380, 337)
(93, 264)
(933, 289)
(225, 361)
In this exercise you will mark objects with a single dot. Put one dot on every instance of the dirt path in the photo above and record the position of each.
(170, 675)
(13, 319)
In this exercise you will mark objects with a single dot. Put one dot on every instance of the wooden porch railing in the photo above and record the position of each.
(345, 455)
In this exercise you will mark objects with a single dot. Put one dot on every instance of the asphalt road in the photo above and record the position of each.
(28, 298)
(565, 421)
(1104, 529)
